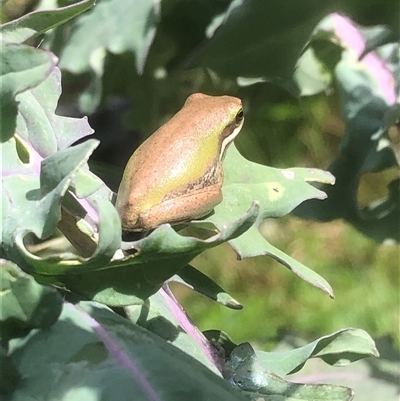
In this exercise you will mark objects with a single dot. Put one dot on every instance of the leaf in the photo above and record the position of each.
(379, 219)
(197, 281)
(244, 371)
(131, 27)
(371, 378)
(337, 349)
(133, 277)
(41, 146)
(163, 315)
(21, 68)
(261, 39)
(38, 124)
(106, 357)
(368, 88)
(40, 134)
(32, 25)
(311, 75)
(25, 304)
(222, 339)
(97, 244)
(377, 36)
(34, 204)
(278, 191)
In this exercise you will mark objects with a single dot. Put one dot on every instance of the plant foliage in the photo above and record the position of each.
(61, 334)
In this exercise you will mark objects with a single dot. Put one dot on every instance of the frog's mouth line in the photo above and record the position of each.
(229, 139)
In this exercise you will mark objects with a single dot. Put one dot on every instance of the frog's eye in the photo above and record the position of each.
(239, 117)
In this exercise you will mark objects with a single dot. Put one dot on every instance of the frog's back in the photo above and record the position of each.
(176, 156)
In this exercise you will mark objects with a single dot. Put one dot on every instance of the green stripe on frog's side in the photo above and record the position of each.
(176, 174)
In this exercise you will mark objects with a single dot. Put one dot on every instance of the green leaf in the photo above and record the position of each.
(368, 87)
(278, 191)
(163, 315)
(379, 219)
(109, 233)
(245, 372)
(105, 357)
(41, 133)
(131, 27)
(21, 68)
(133, 276)
(60, 165)
(25, 304)
(38, 124)
(375, 37)
(337, 349)
(34, 203)
(197, 281)
(98, 244)
(222, 339)
(311, 75)
(32, 25)
(371, 378)
(261, 39)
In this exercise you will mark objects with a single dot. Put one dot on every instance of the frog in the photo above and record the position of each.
(176, 174)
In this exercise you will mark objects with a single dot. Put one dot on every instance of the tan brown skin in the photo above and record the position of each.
(176, 174)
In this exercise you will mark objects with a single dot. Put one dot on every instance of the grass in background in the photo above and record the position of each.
(364, 276)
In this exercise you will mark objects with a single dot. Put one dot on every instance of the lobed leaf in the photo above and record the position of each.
(45, 132)
(197, 281)
(21, 68)
(245, 372)
(131, 27)
(163, 315)
(40, 134)
(278, 191)
(25, 304)
(370, 378)
(33, 202)
(132, 277)
(337, 349)
(222, 339)
(105, 357)
(368, 84)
